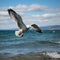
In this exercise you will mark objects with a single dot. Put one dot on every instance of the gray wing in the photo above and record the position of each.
(17, 18)
(36, 28)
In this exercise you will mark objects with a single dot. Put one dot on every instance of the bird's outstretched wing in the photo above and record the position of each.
(36, 28)
(17, 18)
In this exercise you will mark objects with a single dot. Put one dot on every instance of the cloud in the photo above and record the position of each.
(54, 16)
(3, 13)
(35, 7)
(30, 18)
(44, 19)
(21, 8)
(47, 16)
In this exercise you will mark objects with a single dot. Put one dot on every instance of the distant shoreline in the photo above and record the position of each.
(51, 27)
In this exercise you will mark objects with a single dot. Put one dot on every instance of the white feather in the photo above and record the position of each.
(28, 26)
(16, 33)
(19, 32)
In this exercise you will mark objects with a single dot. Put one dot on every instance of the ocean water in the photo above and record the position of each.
(11, 45)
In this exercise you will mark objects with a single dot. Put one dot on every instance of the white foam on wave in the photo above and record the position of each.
(58, 42)
(53, 54)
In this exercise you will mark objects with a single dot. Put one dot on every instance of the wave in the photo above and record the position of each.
(30, 44)
(33, 54)
(53, 54)
(39, 43)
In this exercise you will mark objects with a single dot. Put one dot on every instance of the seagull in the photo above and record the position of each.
(22, 27)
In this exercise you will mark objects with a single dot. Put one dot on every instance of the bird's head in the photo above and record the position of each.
(19, 33)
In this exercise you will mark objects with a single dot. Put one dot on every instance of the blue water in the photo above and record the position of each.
(32, 41)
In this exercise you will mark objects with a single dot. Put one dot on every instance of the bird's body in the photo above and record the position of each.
(20, 23)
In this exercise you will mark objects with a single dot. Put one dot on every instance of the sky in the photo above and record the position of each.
(40, 12)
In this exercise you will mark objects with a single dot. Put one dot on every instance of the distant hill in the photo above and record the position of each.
(53, 27)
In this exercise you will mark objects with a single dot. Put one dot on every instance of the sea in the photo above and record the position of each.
(32, 41)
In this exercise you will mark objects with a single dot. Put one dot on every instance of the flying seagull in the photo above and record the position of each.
(22, 27)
